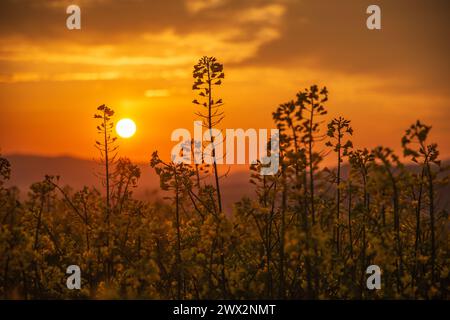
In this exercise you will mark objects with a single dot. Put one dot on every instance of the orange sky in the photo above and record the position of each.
(137, 57)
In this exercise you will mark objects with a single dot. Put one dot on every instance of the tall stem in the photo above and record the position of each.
(311, 172)
(216, 174)
(338, 191)
(431, 208)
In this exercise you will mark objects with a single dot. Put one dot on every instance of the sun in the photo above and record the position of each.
(126, 128)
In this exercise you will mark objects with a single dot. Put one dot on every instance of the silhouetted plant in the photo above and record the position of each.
(208, 72)
(107, 148)
(286, 118)
(337, 128)
(175, 177)
(311, 102)
(5, 170)
(361, 161)
(126, 177)
(390, 162)
(425, 154)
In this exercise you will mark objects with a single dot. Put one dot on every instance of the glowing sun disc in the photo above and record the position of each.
(126, 128)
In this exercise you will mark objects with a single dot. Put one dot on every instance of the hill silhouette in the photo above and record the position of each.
(78, 172)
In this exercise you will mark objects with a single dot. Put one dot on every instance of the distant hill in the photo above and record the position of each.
(27, 169)
(77, 172)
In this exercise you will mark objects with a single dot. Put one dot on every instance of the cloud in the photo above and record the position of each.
(269, 14)
(152, 35)
(73, 76)
(141, 55)
(195, 6)
(156, 93)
